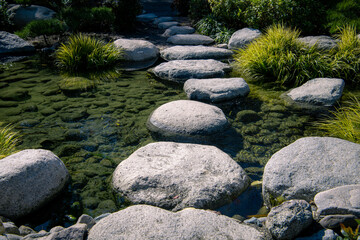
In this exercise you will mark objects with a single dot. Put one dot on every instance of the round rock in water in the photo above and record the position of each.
(147, 222)
(29, 179)
(182, 70)
(318, 91)
(190, 39)
(137, 50)
(216, 89)
(195, 52)
(22, 15)
(321, 42)
(311, 165)
(187, 119)
(178, 30)
(178, 175)
(166, 25)
(12, 44)
(243, 37)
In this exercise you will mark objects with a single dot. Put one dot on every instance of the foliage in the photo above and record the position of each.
(42, 27)
(83, 53)
(344, 13)
(5, 23)
(182, 6)
(211, 27)
(344, 122)
(278, 57)
(348, 232)
(8, 140)
(198, 9)
(97, 19)
(24, 2)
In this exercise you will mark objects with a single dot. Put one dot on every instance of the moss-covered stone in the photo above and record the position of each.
(247, 116)
(14, 94)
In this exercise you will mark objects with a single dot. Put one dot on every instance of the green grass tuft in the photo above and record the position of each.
(8, 140)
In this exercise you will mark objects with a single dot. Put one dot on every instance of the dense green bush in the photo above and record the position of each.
(278, 57)
(199, 9)
(211, 27)
(42, 28)
(344, 13)
(83, 53)
(8, 140)
(5, 23)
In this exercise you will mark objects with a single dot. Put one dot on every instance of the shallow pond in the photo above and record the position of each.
(93, 131)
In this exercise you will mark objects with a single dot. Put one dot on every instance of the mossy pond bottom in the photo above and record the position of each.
(92, 132)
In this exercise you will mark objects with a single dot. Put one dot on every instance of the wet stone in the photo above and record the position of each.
(47, 112)
(74, 116)
(29, 123)
(14, 94)
(166, 25)
(190, 39)
(178, 30)
(247, 116)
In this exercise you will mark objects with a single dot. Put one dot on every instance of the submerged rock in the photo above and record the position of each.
(178, 175)
(187, 119)
(11, 44)
(190, 39)
(195, 52)
(28, 179)
(178, 30)
(321, 42)
(182, 70)
(22, 15)
(216, 89)
(147, 222)
(311, 165)
(243, 37)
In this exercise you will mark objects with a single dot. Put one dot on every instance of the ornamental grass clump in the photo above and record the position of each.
(344, 122)
(86, 54)
(278, 57)
(8, 140)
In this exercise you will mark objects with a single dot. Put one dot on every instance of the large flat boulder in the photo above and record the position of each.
(190, 39)
(166, 25)
(187, 119)
(28, 179)
(11, 44)
(22, 15)
(178, 175)
(137, 50)
(321, 42)
(195, 52)
(178, 30)
(340, 200)
(216, 89)
(182, 70)
(311, 165)
(147, 222)
(243, 37)
(318, 92)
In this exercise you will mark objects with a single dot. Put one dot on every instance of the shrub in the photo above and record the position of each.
(344, 13)
(8, 140)
(211, 27)
(82, 53)
(198, 9)
(344, 122)
(5, 23)
(182, 6)
(278, 57)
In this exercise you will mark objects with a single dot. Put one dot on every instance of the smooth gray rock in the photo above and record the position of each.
(318, 91)
(243, 37)
(11, 228)
(11, 44)
(175, 176)
(148, 17)
(195, 52)
(190, 39)
(166, 25)
(182, 70)
(29, 179)
(333, 221)
(147, 222)
(13, 237)
(56, 229)
(185, 118)
(254, 221)
(88, 220)
(23, 15)
(104, 215)
(75, 232)
(339, 200)
(25, 230)
(40, 235)
(321, 42)
(330, 235)
(137, 50)
(289, 219)
(311, 165)
(163, 19)
(216, 89)
(178, 30)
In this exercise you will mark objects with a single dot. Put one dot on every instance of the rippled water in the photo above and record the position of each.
(93, 131)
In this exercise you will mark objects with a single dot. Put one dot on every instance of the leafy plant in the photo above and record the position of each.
(349, 233)
(83, 53)
(344, 122)
(211, 27)
(5, 23)
(8, 140)
(198, 9)
(344, 13)
(278, 57)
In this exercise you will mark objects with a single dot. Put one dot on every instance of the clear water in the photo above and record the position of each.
(93, 131)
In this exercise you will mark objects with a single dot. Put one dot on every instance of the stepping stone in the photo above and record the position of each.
(163, 19)
(182, 70)
(22, 15)
(178, 30)
(190, 39)
(243, 37)
(216, 89)
(175, 176)
(321, 42)
(318, 91)
(148, 17)
(166, 25)
(13, 44)
(340, 200)
(311, 165)
(147, 222)
(29, 179)
(195, 52)
(185, 119)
